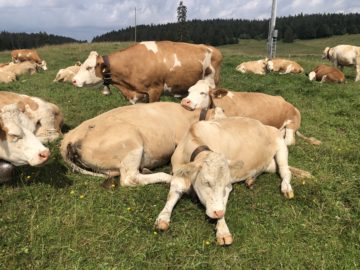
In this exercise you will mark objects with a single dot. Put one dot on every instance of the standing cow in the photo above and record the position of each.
(143, 72)
(344, 55)
(28, 55)
(213, 155)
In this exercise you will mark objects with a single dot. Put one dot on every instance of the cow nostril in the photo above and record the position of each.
(74, 81)
(44, 154)
(219, 214)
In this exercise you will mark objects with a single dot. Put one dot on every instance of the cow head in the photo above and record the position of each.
(18, 144)
(270, 65)
(86, 75)
(326, 53)
(43, 65)
(199, 96)
(312, 76)
(211, 180)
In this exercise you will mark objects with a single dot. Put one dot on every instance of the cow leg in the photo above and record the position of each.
(132, 96)
(358, 70)
(289, 136)
(129, 167)
(178, 187)
(145, 179)
(281, 158)
(223, 235)
(154, 94)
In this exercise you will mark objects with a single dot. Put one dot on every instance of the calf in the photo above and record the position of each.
(270, 110)
(344, 55)
(256, 67)
(213, 155)
(67, 74)
(46, 116)
(18, 144)
(28, 55)
(324, 73)
(127, 140)
(20, 69)
(143, 72)
(284, 66)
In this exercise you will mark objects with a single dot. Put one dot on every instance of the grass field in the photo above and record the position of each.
(52, 218)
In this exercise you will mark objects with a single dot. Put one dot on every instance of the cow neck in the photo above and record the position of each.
(198, 150)
(204, 111)
(106, 71)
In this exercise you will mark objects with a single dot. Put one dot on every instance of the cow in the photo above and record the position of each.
(28, 55)
(215, 154)
(144, 71)
(126, 140)
(20, 69)
(256, 67)
(325, 73)
(270, 110)
(18, 144)
(46, 116)
(344, 55)
(7, 76)
(283, 66)
(67, 74)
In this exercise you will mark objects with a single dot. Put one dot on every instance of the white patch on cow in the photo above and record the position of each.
(177, 63)
(312, 76)
(167, 88)
(270, 65)
(241, 68)
(289, 136)
(206, 63)
(289, 69)
(133, 100)
(150, 45)
(230, 94)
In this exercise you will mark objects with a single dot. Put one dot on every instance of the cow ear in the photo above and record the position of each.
(218, 93)
(189, 170)
(21, 106)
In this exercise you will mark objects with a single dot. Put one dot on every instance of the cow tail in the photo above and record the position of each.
(310, 140)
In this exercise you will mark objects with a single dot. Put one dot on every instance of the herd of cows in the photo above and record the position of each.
(213, 138)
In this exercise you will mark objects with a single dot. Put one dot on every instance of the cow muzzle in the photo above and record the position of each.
(187, 104)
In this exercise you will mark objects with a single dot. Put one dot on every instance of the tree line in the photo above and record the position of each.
(10, 41)
(228, 31)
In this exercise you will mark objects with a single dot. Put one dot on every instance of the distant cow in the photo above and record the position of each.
(213, 155)
(284, 66)
(18, 144)
(256, 67)
(46, 116)
(67, 74)
(7, 76)
(20, 69)
(344, 55)
(324, 73)
(270, 110)
(127, 140)
(28, 55)
(143, 72)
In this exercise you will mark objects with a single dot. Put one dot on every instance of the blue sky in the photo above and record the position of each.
(84, 19)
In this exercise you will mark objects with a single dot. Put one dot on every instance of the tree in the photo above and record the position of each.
(181, 15)
(288, 35)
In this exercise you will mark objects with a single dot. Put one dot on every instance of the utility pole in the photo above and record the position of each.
(273, 33)
(135, 24)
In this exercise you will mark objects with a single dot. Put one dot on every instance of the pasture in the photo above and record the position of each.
(53, 218)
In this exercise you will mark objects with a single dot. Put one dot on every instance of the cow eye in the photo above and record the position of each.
(14, 138)
(88, 68)
(202, 93)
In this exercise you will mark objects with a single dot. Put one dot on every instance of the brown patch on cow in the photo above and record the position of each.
(21, 106)
(219, 93)
(208, 71)
(32, 104)
(3, 131)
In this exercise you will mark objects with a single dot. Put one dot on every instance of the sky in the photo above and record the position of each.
(85, 19)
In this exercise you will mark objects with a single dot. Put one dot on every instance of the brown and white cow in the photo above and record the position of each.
(7, 76)
(256, 67)
(18, 144)
(143, 72)
(67, 74)
(270, 110)
(128, 139)
(344, 55)
(20, 69)
(46, 116)
(215, 154)
(28, 55)
(283, 66)
(324, 73)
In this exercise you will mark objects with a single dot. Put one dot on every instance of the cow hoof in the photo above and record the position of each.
(225, 240)
(249, 182)
(109, 183)
(6, 171)
(289, 194)
(162, 225)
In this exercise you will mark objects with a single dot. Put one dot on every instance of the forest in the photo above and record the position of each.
(229, 31)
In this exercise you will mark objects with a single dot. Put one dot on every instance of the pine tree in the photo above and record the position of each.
(181, 15)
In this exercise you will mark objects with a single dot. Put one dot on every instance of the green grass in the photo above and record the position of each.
(52, 218)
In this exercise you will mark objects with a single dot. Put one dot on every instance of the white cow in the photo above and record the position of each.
(214, 154)
(67, 74)
(344, 55)
(18, 144)
(256, 67)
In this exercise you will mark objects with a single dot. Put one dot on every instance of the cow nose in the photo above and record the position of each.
(45, 154)
(219, 214)
(185, 101)
(74, 81)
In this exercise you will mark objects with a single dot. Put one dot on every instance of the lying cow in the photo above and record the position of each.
(28, 55)
(143, 72)
(46, 116)
(283, 66)
(324, 73)
(213, 155)
(100, 146)
(7, 76)
(67, 74)
(344, 55)
(256, 67)
(18, 144)
(20, 69)
(270, 110)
